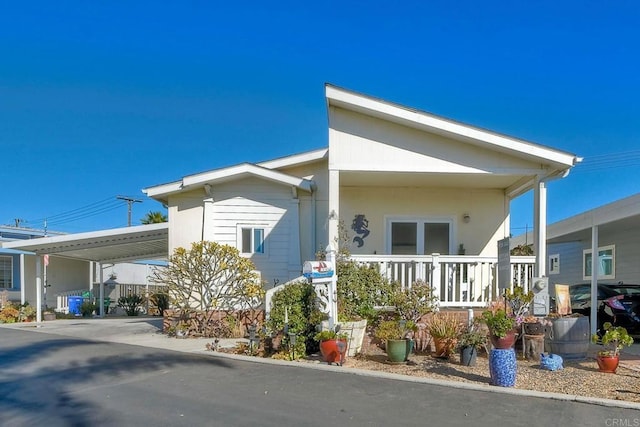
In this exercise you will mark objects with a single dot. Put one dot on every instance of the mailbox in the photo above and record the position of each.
(318, 270)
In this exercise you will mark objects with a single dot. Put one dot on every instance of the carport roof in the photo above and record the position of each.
(116, 245)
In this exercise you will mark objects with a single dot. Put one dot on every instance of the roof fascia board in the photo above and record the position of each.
(611, 212)
(296, 159)
(347, 99)
(162, 189)
(245, 169)
(91, 235)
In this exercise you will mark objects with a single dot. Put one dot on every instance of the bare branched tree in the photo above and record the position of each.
(210, 277)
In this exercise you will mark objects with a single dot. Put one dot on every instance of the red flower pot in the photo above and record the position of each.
(331, 353)
(608, 364)
(503, 343)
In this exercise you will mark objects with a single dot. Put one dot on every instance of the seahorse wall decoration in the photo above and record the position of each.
(360, 225)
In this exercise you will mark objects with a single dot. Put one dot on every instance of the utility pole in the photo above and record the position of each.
(130, 201)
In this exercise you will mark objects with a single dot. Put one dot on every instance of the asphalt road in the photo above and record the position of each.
(53, 380)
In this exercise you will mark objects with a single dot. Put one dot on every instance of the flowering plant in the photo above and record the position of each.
(518, 301)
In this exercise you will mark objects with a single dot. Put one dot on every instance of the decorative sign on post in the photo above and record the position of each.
(322, 275)
(504, 264)
(317, 269)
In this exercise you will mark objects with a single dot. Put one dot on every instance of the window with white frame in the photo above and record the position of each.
(6, 272)
(251, 239)
(554, 264)
(606, 263)
(419, 236)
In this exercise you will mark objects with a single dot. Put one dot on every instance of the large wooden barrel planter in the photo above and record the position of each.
(569, 337)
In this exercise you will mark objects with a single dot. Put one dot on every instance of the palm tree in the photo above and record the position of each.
(154, 218)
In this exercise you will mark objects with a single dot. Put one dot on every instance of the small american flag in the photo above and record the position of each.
(46, 260)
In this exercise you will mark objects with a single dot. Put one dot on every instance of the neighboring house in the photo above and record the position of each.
(614, 229)
(62, 273)
(17, 266)
(420, 195)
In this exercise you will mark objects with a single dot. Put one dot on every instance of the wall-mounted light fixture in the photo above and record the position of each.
(466, 218)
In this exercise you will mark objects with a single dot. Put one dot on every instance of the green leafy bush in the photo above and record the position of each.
(299, 301)
(361, 288)
(131, 304)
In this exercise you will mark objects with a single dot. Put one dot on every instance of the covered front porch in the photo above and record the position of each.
(425, 197)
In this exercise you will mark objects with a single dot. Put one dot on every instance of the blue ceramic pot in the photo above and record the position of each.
(503, 367)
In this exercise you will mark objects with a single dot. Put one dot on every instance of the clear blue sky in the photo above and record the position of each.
(104, 99)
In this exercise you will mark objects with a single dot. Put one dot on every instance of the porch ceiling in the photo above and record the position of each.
(414, 179)
(117, 245)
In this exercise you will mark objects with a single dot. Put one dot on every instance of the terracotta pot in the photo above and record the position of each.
(503, 343)
(608, 364)
(331, 352)
(444, 347)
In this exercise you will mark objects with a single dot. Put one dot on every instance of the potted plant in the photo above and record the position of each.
(469, 342)
(394, 334)
(613, 339)
(333, 346)
(444, 328)
(501, 326)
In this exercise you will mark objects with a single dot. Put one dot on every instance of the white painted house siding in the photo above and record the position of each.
(479, 236)
(363, 143)
(313, 235)
(249, 201)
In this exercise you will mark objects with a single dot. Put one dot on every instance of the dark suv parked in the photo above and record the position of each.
(618, 303)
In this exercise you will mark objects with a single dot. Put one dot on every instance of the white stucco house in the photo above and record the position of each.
(420, 195)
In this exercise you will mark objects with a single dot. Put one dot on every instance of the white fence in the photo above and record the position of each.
(457, 281)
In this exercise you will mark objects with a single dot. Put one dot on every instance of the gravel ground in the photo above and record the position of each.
(577, 378)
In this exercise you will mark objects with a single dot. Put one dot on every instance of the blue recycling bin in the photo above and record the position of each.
(75, 302)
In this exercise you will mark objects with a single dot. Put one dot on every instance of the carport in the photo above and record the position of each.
(143, 242)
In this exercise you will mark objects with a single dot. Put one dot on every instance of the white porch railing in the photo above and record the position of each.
(457, 281)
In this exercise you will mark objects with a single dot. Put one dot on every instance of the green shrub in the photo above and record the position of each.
(87, 308)
(299, 301)
(131, 304)
(361, 288)
(161, 300)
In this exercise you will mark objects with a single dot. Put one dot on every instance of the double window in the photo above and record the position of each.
(419, 237)
(251, 239)
(6, 272)
(606, 263)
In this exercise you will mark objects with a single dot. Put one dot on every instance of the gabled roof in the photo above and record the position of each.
(374, 107)
(116, 245)
(231, 173)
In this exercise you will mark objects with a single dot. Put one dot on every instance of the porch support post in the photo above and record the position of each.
(436, 275)
(38, 288)
(22, 282)
(540, 227)
(334, 208)
(101, 300)
(595, 269)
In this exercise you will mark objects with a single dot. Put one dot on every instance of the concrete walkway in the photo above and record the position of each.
(146, 332)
